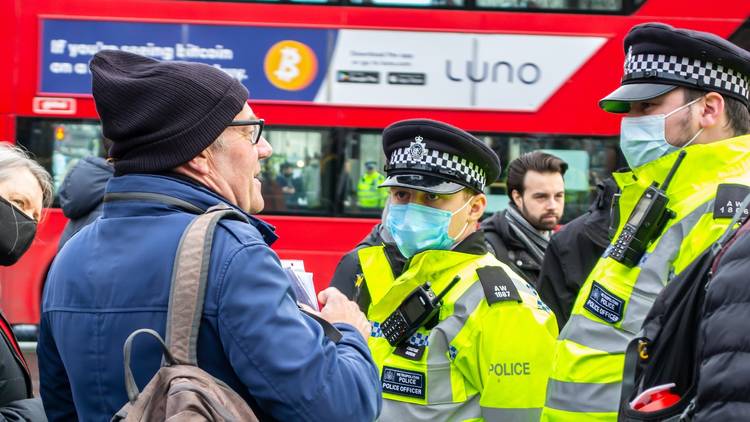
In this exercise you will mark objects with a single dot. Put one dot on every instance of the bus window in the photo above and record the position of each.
(59, 144)
(357, 189)
(288, 1)
(410, 3)
(579, 5)
(297, 177)
(590, 160)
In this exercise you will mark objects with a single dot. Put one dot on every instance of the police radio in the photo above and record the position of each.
(646, 222)
(419, 307)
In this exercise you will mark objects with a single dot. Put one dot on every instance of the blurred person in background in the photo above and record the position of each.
(82, 191)
(369, 195)
(291, 186)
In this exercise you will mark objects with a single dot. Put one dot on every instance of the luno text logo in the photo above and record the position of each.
(497, 72)
(290, 65)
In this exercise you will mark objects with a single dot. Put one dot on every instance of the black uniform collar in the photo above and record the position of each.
(473, 244)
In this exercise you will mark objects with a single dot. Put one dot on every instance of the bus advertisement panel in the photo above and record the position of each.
(334, 66)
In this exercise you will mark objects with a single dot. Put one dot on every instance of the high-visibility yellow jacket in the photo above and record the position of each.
(368, 193)
(615, 299)
(480, 361)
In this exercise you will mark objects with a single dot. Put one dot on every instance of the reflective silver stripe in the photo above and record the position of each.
(449, 328)
(583, 397)
(492, 414)
(397, 411)
(655, 271)
(595, 335)
(439, 389)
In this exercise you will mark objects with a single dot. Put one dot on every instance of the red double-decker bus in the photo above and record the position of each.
(328, 75)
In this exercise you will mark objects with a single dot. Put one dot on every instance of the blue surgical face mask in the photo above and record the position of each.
(417, 228)
(643, 139)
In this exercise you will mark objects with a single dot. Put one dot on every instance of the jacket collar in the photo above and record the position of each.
(435, 266)
(437, 261)
(720, 157)
(473, 244)
(167, 184)
(704, 167)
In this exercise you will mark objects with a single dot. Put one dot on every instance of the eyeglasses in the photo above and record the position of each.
(255, 137)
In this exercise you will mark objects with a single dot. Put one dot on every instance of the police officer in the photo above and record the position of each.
(682, 90)
(486, 354)
(368, 194)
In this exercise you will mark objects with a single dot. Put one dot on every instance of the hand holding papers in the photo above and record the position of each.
(301, 281)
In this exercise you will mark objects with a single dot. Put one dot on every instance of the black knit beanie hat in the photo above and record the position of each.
(160, 114)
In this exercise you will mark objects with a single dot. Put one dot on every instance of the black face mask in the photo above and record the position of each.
(17, 232)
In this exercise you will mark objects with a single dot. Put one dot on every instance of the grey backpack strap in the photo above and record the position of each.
(130, 386)
(189, 283)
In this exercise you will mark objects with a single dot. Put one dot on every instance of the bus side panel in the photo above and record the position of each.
(319, 242)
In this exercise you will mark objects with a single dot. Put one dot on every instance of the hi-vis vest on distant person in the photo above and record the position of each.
(485, 358)
(368, 193)
(704, 193)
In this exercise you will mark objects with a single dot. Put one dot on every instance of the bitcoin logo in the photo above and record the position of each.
(290, 65)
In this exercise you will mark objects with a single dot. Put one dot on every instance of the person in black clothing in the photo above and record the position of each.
(518, 236)
(291, 186)
(723, 392)
(82, 192)
(25, 188)
(573, 252)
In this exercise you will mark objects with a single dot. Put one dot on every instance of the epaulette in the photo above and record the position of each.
(497, 285)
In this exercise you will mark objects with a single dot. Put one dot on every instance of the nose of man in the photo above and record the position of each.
(265, 149)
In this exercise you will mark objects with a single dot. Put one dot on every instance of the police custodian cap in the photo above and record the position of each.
(659, 58)
(436, 157)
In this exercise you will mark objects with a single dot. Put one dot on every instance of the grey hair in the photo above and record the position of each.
(13, 157)
(219, 144)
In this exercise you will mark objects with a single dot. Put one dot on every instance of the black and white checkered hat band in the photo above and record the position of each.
(683, 69)
(440, 162)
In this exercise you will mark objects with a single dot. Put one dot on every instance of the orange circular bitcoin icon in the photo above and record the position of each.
(290, 65)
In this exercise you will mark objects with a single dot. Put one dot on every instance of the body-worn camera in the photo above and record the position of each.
(646, 222)
(419, 307)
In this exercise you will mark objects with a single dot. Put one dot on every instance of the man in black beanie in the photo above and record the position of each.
(185, 139)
